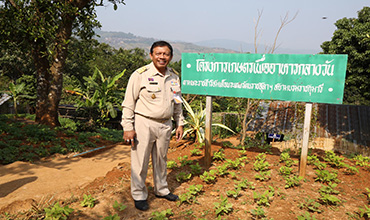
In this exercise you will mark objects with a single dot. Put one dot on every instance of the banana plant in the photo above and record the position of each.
(195, 122)
(15, 91)
(100, 92)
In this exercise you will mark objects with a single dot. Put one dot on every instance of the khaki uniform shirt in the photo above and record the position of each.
(151, 94)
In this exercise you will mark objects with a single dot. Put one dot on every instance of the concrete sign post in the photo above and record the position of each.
(291, 77)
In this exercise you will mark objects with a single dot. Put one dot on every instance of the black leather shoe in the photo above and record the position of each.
(141, 205)
(169, 197)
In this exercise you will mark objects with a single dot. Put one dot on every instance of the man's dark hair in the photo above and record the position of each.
(161, 43)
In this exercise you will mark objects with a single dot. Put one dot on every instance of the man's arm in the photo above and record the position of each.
(128, 107)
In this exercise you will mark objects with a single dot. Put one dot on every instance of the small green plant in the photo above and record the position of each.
(306, 216)
(242, 152)
(292, 181)
(327, 195)
(171, 164)
(285, 171)
(191, 194)
(284, 157)
(223, 207)
(244, 184)
(325, 176)
(163, 215)
(368, 193)
(319, 165)
(183, 177)
(364, 212)
(311, 205)
(311, 159)
(258, 213)
(329, 189)
(263, 199)
(73, 146)
(119, 206)
(233, 193)
(195, 152)
(290, 162)
(350, 170)
(219, 155)
(261, 164)
(235, 164)
(333, 159)
(263, 175)
(184, 161)
(222, 170)
(57, 212)
(196, 169)
(328, 199)
(6, 216)
(88, 201)
(362, 161)
(233, 175)
(209, 177)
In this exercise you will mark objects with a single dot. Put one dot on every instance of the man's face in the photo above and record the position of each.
(161, 57)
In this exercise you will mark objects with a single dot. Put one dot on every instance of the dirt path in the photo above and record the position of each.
(22, 181)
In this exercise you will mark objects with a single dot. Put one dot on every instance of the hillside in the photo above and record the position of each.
(130, 41)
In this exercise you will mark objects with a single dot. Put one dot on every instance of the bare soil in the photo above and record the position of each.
(25, 188)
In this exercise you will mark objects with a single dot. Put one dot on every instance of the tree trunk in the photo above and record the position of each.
(50, 75)
(245, 123)
(49, 86)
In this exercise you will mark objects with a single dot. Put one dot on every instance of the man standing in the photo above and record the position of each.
(152, 97)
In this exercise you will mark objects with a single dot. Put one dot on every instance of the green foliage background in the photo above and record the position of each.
(352, 37)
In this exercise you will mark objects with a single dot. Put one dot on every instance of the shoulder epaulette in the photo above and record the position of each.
(142, 69)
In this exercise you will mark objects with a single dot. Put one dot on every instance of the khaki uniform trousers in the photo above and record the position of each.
(153, 138)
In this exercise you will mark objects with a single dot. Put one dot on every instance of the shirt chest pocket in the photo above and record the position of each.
(153, 88)
(153, 93)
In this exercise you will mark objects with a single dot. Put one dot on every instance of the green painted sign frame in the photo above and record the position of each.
(290, 77)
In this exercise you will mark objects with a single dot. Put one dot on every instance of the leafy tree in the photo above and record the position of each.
(81, 52)
(113, 61)
(87, 55)
(14, 62)
(43, 29)
(352, 37)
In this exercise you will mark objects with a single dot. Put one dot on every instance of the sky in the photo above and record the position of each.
(199, 20)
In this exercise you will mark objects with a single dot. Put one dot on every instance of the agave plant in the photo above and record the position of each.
(195, 123)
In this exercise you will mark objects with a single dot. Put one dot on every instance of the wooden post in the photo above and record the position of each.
(306, 135)
(208, 137)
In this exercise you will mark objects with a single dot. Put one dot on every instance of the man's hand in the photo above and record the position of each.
(179, 132)
(129, 137)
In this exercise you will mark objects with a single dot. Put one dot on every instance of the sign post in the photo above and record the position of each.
(208, 137)
(291, 77)
(306, 134)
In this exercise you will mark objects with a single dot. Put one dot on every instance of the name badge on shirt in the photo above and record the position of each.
(177, 98)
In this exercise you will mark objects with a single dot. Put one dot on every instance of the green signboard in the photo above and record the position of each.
(291, 77)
